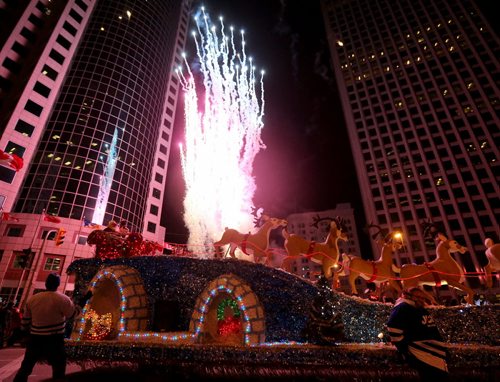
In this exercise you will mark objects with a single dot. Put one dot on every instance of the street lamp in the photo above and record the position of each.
(33, 270)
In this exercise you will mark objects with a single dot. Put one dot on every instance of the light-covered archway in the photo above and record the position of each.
(232, 295)
(118, 295)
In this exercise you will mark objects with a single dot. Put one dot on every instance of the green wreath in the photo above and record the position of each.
(227, 302)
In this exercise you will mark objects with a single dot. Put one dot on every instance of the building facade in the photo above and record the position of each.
(419, 88)
(87, 98)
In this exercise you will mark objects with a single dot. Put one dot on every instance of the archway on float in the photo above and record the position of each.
(119, 304)
(228, 312)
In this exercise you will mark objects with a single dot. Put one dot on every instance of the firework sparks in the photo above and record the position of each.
(223, 135)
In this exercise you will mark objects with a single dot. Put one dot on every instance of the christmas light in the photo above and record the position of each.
(237, 305)
(123, 302)
(100, 325)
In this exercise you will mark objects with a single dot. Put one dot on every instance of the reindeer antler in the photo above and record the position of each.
(337, 219)
(381, 232)
(257, 212)
(431, 230)
(317, 219)
(340, 223)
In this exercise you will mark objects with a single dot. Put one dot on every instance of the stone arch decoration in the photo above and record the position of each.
(118, 294)
(241, 297)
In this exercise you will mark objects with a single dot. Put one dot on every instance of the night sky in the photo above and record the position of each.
(307, 165)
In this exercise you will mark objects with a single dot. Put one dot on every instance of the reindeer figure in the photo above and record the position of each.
(493, 255)
(443, 270)
(326, 253)
(377, 271)
(251, 244)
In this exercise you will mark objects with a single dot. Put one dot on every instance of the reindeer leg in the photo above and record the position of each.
(394, 284)
(232, 249)
(462, 287)
(352, 282)
(327, 270)
(268, 257)
(410, 280)
(488, 269)
(335, 280)
(285, 264)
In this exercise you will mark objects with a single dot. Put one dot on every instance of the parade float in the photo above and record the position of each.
(229, 317)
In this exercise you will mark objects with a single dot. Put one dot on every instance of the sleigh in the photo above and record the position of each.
(109, 245)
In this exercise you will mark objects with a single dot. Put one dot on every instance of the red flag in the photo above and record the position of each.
(51, 218)
(11, 160)
(7, 216)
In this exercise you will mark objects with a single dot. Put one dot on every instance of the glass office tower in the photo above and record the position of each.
(87, 99)
(419, 87)
(103, 153)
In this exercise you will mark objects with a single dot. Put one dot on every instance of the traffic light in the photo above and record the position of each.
(59, 239)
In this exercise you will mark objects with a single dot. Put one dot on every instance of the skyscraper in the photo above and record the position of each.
(419, 86)
(88, 98)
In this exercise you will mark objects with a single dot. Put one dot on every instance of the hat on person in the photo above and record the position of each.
(52, 282)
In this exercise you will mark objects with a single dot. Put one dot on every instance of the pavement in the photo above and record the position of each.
(11, 358)
(10, 361)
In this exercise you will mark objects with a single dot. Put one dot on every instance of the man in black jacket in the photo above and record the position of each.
(414, 333)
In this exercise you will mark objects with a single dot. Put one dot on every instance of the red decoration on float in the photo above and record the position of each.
(228, 326)
(111, 245)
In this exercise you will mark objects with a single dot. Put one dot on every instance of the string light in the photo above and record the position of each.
(100, 325)
(105, 274)
(240, 306)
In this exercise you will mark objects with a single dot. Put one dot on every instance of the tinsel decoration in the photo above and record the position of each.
(325, 326)
(344, 362)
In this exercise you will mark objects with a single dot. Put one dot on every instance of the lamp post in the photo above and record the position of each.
(34, 270)
(28, 251)
(72, 256)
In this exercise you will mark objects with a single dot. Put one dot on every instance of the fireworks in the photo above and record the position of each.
(223, 135)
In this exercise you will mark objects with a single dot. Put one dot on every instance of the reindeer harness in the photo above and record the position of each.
(311, 247)
(434, 273)
(244, 244)
(374, 274)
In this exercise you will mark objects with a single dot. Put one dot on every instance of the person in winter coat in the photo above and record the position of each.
(415, 334)
(45, 316)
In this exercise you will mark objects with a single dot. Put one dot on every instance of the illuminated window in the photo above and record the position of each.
(439, 181)
(49, 72)
(52, 264)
